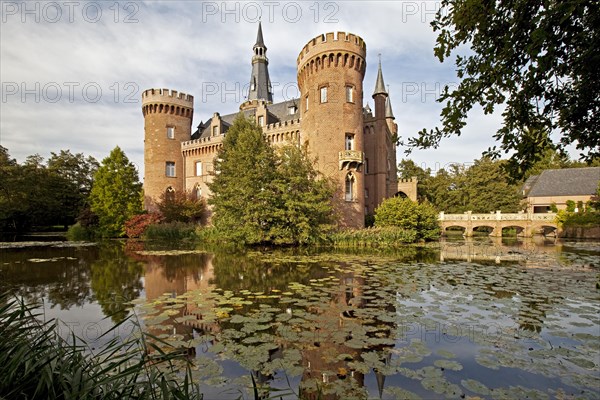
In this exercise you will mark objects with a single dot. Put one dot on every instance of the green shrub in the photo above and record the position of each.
(77, 233)
(408, 215)
(171, 231)
(581, 219)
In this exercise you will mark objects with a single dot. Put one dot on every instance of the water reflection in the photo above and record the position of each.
(460, 318)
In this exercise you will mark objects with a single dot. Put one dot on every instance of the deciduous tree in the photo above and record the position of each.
(538, 60)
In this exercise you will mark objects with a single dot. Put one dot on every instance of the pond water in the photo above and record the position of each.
(478, 319)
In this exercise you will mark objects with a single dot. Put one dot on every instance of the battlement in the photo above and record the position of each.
(196, 142)
(409, 180)
(332, 42)
(255, 103)
(167, 96)
(278, 125)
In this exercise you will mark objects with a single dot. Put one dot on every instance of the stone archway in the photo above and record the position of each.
(408, 187)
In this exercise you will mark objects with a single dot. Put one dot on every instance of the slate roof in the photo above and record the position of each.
(278, 112)
(379, 84)
(566, 182)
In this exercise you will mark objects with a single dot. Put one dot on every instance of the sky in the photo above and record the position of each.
(73, 72)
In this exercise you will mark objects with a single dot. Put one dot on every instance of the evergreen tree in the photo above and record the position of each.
(116, 193)
(243, 197)
(263, 197)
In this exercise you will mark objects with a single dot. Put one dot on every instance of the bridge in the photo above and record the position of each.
(527, 224)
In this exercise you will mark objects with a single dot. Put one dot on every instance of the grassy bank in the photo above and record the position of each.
(37, 363)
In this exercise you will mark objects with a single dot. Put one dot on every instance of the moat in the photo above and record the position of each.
(488, 318)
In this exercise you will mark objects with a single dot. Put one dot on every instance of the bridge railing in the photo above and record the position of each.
(497, 216)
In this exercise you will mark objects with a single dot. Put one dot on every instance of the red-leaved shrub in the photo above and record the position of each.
(136, 225)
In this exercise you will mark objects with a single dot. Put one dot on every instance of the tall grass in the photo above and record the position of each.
(171, 231)
(373, 237)
(37, 363)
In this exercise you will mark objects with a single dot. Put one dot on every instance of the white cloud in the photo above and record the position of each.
(187, 45)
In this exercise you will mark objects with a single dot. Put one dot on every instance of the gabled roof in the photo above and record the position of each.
(565, 182)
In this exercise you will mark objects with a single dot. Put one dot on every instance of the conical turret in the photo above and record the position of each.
(260, 83)
(379, 84)
(388, 107)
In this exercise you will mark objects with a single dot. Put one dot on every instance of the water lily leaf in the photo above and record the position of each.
(445, 353)
(475, 386)
(448, 364)
(399, 393)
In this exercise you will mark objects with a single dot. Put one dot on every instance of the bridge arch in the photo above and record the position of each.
(526, 223)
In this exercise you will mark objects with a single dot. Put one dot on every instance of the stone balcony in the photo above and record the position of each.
(351, 158)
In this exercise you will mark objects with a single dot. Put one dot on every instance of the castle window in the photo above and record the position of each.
(170, 132)
(198, 168)
(170, 169)
(350, 187)
(306, 101)
(366, 193)
(198, 192)
(349, 94)
(323, 91)
(366, 165)
(261, 120)
(215, 130)
(349, 141)
(292, 110)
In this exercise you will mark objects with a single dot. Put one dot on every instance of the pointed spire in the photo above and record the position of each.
(379, 85)
(259, 37)
(388, 106)
(260, 83)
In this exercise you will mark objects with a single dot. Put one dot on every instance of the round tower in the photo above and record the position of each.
(331, 68)
(167, 122)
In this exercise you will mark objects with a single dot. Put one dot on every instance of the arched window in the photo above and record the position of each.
(170, 194)
(350, 192)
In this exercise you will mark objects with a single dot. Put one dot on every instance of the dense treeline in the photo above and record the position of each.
(481, 186)
(35, 194)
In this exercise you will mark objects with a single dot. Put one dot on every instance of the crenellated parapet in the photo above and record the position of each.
(166, 101)
(409, 180)
(333, 49)
(255, 103)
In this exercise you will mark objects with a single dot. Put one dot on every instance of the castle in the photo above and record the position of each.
(350, 143)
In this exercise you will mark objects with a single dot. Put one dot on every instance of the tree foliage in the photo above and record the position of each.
(34, 194)
(116, 194)
(304, 209)
(409, 215)
(260, 196)
(539, 60)
(482, 186)
(181, 206)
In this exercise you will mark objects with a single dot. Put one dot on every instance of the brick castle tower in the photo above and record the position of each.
(167, 123)
(331, 68)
